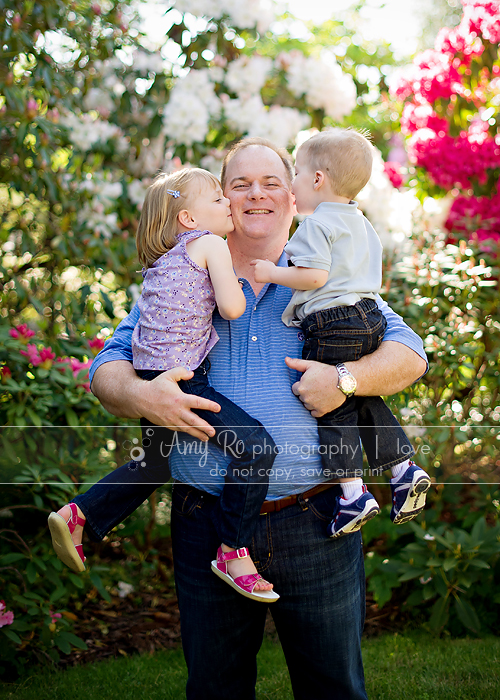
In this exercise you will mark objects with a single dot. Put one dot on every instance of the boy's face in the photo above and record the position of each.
(211, 210)
(303, 185)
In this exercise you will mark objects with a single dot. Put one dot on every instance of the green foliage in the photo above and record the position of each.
(449, 295)
(447, 570)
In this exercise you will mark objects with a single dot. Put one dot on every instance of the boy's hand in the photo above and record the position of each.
(263, 270)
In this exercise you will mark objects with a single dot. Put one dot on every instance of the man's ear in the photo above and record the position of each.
(185, 219)
(319, 179)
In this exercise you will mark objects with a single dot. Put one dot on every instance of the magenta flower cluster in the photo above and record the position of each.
(40, 356)
(479, 213)
(6, 616)
(461, 70)
(393, 171)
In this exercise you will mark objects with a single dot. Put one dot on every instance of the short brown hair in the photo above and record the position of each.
(157, 230)
(286, 158)
(344, 155)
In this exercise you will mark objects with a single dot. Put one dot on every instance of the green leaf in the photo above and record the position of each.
(467, 615)
(439, 614)
(31, 572)
(63, 644)
(74, 640)
(11, 558)
(479, 564)
(72, 418)
(76, 580)
(96, 580)
(13, 636)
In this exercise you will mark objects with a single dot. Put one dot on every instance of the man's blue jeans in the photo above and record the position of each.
(346, 334)
(249, 445)
(319, 617)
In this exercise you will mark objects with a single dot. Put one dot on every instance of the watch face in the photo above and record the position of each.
(347, 385)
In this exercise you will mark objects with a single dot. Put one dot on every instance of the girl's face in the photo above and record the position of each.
(210, 210)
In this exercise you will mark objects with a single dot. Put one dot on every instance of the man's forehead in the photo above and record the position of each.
(256, 162)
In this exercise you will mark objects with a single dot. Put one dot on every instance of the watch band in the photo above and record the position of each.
(347, 382)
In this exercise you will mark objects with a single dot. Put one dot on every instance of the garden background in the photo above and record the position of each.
(91, 108)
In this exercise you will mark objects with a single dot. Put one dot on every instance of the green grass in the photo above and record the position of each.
(413, 666)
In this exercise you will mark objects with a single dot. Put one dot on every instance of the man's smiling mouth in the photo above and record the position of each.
(258, 211)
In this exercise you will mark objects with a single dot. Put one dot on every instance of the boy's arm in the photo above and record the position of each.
(229, 296)
(294, 277)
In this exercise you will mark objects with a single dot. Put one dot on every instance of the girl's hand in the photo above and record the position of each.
(263, 271)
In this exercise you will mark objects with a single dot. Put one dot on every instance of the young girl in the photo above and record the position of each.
(187, 272)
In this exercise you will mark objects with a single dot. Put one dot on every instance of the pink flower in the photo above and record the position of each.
(393, 172)
(6, 616)
(421, 116)
(77, 367)
(31, 353)
(96, 345)
(54, 616)
(47, 355)
(42, 357)
(22, 333)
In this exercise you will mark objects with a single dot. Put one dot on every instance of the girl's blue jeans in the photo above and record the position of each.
(245, 440)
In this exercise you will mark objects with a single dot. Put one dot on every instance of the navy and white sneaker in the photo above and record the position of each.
(408, 494)
(350, 517)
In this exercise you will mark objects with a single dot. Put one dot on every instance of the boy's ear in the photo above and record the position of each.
(185, 219)
(319, 179)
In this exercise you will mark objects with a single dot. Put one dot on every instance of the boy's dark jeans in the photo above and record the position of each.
(344, 334)
(244, 439)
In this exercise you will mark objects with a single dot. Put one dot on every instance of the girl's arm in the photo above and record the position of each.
(294, 277)
(228, 293)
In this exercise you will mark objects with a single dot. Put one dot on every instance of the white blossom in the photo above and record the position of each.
(86, 130)
(100, 100)
(389, 211)
(247, 74)
(252, 118)
(136, 191)
(321, 81)
(192, 104)
(244, 14)
(145, 63)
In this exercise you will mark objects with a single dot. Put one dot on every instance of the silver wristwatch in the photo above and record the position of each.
(347, 382)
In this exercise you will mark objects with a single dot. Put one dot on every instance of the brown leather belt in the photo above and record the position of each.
(280, 503)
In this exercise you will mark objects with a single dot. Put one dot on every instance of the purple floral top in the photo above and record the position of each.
(176, 306)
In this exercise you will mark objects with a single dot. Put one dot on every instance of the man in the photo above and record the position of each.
(320, 614)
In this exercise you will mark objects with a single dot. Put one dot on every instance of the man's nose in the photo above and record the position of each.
(255, 191)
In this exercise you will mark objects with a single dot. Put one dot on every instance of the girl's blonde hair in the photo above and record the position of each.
(157, 230)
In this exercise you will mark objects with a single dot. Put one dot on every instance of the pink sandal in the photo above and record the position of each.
(61, 531)
(242, 584)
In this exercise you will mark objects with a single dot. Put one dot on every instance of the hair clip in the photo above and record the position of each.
(174, 193)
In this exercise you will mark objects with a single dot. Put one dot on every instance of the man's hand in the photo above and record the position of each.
(263, 271)
(161, 401)
(317, 388)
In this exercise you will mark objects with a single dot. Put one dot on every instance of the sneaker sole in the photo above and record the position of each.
(357, 523)
(63, 544)
(414, 502)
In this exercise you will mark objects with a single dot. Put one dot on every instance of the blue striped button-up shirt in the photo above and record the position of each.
(248, 366)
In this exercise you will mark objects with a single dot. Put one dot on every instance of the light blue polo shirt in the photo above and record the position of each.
(248, 366)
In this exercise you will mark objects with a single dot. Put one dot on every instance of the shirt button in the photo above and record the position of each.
(254, 337)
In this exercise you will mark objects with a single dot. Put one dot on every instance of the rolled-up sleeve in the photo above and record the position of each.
(398, 331)
(119, 346)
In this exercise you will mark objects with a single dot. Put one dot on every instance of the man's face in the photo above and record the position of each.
(260, 196)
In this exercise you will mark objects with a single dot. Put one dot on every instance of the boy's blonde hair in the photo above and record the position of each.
(344, 155)
(157, 230)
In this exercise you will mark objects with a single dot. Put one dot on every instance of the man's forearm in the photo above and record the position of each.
(388, 370)
(118, 388)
